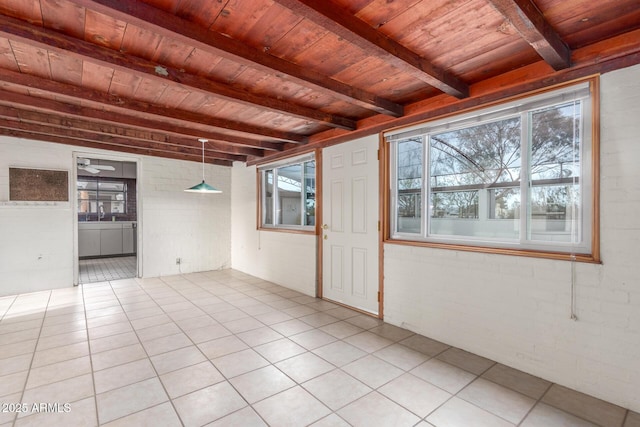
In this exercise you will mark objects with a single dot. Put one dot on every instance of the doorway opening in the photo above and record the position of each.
(107, 218)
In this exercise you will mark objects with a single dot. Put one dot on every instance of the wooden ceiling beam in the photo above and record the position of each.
(83, 135)
(107, 146)
(615, 53)
(361, 34)
(62, 122)
(159, 114)
(532, 26)
(165, 24)
(57, 107)
(44, 38)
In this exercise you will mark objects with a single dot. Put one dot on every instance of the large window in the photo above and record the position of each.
(288, 194)
(515, 176)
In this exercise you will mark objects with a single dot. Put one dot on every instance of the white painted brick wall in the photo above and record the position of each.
(284, 258)
(36, 239)
(193, 227)
(36, 242)
(515, 310)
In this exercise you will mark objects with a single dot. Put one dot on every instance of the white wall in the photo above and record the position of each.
(516, 310)
(287, 259)
(36, 240)
(191, 226)
(36, 251)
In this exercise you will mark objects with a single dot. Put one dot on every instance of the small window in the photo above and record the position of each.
(288, 194)
(516, 176)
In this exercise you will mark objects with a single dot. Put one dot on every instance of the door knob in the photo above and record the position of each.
(325, 226)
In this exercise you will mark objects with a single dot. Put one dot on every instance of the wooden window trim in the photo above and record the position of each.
(310, 230)
(592, 257)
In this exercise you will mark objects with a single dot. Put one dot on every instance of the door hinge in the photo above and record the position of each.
(378, 154)
(378, 225)
(378, 296)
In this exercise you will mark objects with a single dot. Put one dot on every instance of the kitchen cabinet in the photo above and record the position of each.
(128, 238)
(88, 242)
(106, 238)
(111, 241)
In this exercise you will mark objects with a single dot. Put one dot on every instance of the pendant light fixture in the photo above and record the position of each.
(203, 187)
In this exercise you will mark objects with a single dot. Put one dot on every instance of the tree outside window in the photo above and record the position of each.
(516, 178)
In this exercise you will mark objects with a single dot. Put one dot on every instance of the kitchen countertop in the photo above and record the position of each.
(104, 224)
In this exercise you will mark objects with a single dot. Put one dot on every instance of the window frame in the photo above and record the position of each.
(99, 182)
(587, 252)
(301, 160)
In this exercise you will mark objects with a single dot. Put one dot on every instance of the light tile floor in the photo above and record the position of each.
(227, 349)
(104, 269)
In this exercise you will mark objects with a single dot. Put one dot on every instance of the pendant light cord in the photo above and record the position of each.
(203, 141)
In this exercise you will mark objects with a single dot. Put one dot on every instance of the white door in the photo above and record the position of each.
(350, 229)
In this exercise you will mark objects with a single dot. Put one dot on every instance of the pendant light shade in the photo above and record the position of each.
(203, 187)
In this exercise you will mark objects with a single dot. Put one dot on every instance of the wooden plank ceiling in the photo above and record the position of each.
(261, 77)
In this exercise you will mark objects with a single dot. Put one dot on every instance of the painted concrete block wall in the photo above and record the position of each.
(191, 226)
(284, 258)
(36, 251)
(36, 240)
(516, 310)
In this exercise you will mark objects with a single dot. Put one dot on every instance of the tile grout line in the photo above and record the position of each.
(538, 401)
(434, 357)
(578, 416)
(337, 340)
(148, 358)
(296, 383)
(182, 330)
(8, 308)
(117, 268)
(338, 368)
(188, 289)
(409, 373)
(624, 420)
(486, 410)
(33, 356)
(210, 361)
(93, 379)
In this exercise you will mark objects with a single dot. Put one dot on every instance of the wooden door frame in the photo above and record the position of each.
(383, 221)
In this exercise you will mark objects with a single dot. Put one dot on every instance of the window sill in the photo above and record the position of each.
(560, 256)
(310, 232)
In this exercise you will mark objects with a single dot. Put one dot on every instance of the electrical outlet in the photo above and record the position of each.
(178, 260)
